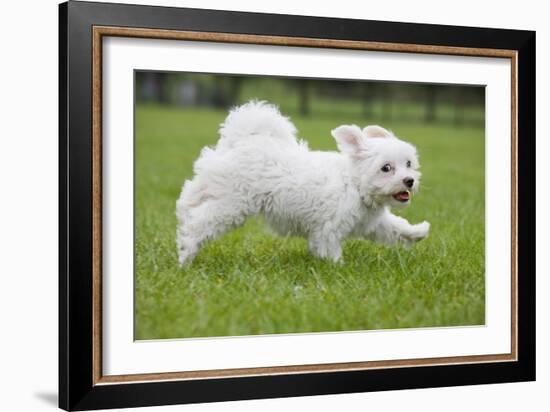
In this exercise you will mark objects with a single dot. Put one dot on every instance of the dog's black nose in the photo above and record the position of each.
(409, 182)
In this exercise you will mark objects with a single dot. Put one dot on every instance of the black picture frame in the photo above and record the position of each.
(77, 390)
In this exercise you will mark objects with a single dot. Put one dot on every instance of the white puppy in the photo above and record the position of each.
(259, 167)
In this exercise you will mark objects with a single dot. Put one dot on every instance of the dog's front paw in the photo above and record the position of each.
(417, 233)
(421, 231)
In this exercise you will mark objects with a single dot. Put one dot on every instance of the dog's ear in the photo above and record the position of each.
(376, 131)
(349, 139)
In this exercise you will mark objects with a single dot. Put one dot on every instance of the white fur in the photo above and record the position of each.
(259, 167)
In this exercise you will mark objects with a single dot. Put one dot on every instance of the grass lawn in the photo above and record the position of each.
(251, 282)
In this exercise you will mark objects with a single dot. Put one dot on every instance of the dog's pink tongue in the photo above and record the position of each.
(403, 196)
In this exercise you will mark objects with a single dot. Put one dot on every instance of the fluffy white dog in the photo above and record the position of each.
(259, 167)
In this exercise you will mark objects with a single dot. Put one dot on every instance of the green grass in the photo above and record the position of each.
(251, 282)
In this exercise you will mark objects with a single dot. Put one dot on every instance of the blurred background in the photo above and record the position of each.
(375, 101)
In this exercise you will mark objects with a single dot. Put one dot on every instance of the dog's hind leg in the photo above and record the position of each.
(205, 221)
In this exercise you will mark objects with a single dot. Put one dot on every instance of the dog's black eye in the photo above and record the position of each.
(386, 168)
(408, 163)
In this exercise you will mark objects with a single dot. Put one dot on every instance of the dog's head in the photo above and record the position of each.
(384, 167)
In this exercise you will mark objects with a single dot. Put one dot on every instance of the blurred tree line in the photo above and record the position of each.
(374, 100)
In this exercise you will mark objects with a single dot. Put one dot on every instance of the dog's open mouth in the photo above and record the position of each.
(402, 196)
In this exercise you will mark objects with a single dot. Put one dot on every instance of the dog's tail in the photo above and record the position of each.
(255, 120)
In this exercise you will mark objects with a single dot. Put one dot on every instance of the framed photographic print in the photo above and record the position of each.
(257, 205)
